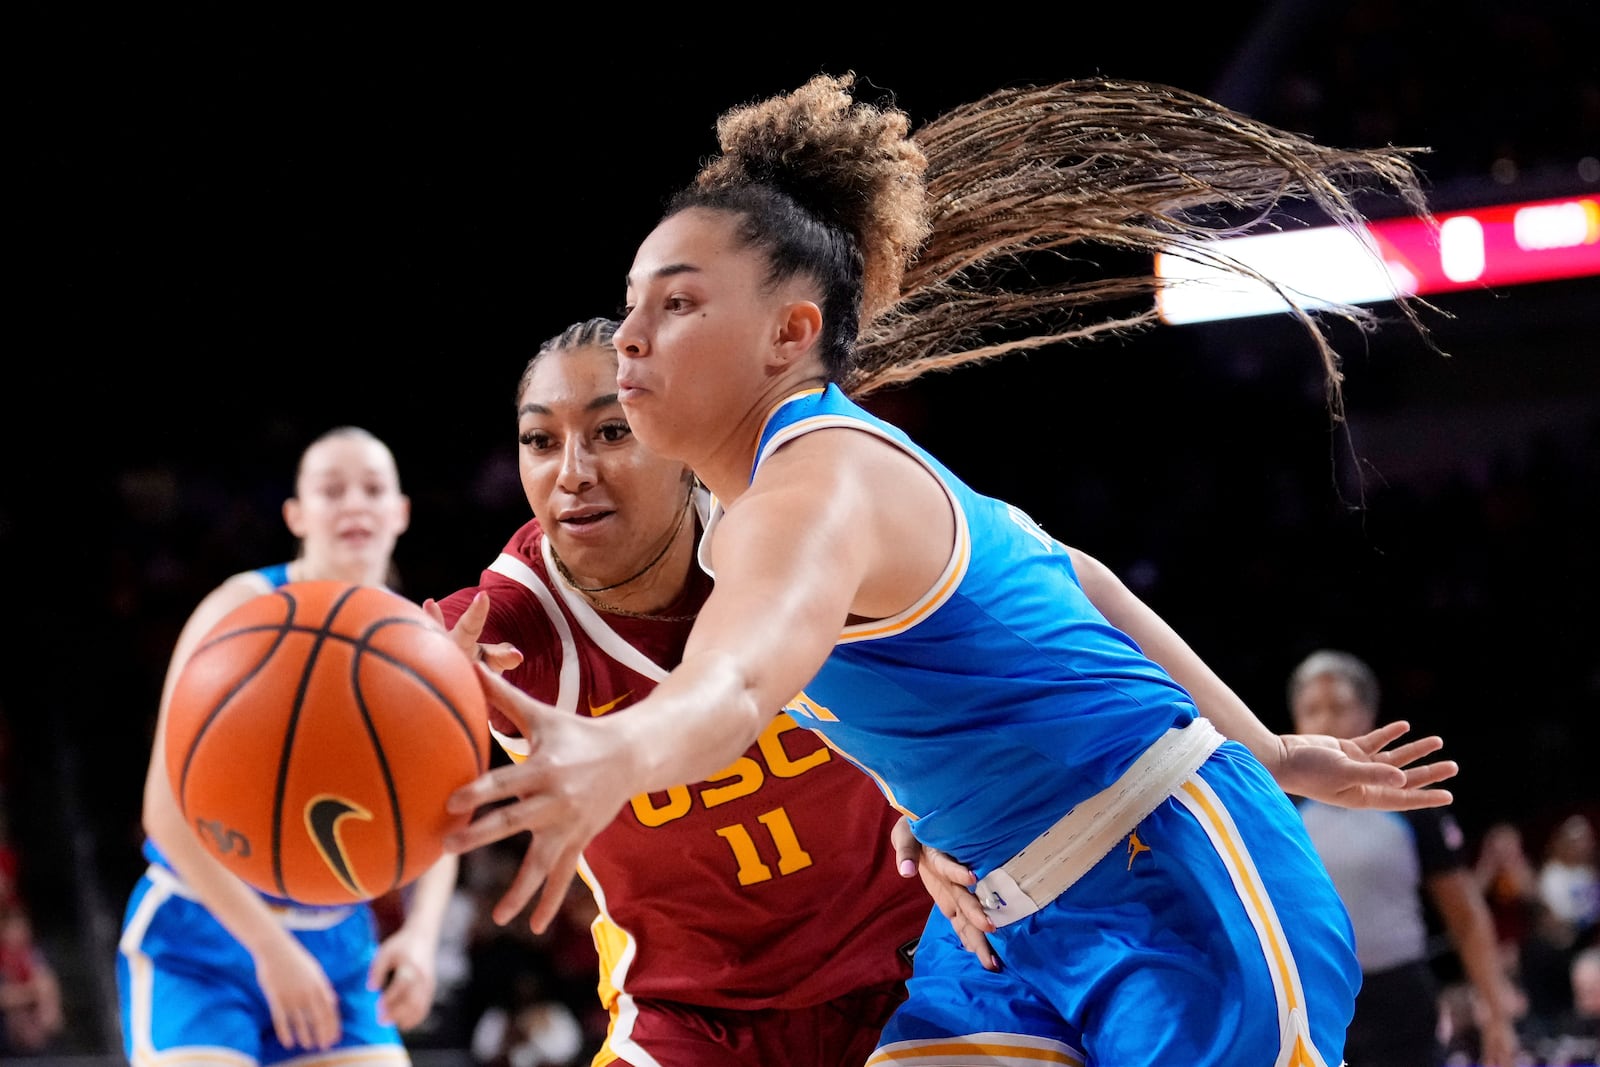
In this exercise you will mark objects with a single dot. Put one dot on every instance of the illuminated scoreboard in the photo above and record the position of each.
(1478, 248)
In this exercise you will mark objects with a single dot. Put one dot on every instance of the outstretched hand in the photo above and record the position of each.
(568, 788)
(1362, 772)
(502, 656)
(950, 885)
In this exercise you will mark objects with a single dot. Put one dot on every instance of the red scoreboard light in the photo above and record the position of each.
(1479, 248)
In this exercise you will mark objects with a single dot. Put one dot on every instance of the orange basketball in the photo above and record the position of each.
(314, 735)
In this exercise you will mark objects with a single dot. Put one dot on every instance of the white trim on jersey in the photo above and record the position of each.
(594, 625)
(524, 575)
(610, 642)
(943, 587)
(625, 1012)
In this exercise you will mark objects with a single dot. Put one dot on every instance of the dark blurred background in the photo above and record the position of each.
(236, 234)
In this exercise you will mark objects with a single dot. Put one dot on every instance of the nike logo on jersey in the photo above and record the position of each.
(323, 816)
(608, 705)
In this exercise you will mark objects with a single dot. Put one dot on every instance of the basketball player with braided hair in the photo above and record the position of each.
(1148, 886)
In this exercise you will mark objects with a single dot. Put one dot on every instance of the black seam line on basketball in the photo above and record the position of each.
(364, 647)
(422, 680)
(283, 630)
(286, 750)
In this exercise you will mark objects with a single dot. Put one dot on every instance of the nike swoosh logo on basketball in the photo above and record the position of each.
(323, 816)
(608, 705)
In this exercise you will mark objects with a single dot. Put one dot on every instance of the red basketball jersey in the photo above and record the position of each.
(770, 885)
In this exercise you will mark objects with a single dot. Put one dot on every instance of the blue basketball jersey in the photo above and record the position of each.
(187, 988)
(986, 711)
(1001, 698)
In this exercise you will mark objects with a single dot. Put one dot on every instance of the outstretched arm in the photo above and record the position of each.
(580, 772)
(1360, 772)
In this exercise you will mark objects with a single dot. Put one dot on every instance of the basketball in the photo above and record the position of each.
(314, 735)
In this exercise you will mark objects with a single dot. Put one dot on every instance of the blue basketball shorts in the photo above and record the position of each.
(188, 991)
(1212, 935)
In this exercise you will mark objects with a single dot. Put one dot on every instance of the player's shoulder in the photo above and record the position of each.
(526, 545)
(520, 567)
(233, 591)
(510, 579)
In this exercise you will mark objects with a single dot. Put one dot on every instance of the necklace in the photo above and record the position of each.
(588, 591)
(612, 609)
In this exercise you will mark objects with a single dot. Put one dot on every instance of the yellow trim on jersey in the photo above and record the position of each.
(870, 773)
(755, 457)
(960, 552)
(956, 570)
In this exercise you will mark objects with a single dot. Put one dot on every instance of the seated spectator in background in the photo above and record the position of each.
(1510, 886)
(1381, 861)
(1544, 963)
(1585, 1019)
(1569, 880)
(1563, 925)
(539, 1031)
(1573, 1037)
(521, 1004)
(30, 994)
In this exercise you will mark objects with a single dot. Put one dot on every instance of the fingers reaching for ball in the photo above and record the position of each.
(466, 633)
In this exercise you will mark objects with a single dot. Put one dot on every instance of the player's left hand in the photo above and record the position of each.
(1362, 772)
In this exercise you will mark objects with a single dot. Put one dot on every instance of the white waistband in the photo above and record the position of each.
(289, 916)
(1081, 838)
